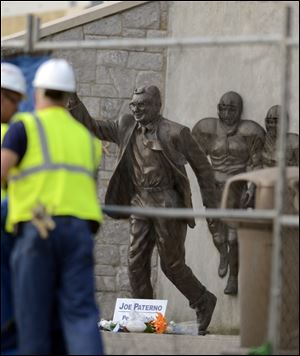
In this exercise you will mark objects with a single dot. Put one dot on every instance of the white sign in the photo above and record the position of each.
(147, 307)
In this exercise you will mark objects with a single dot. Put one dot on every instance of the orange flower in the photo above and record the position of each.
(160, 323)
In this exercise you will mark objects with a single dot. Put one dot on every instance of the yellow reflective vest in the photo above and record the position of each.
(4, 128)
(57, 170)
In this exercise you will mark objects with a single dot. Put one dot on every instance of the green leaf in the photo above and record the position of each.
(112, 326)
(265, 349)
(149, 328)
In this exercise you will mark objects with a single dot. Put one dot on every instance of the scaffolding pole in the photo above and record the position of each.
(259, 215)
(276, 270)
(147, 42)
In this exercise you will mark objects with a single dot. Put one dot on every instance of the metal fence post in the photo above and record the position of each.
(276, 268)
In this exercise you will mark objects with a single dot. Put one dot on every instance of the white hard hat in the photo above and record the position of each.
(56, 74)
(12, 78)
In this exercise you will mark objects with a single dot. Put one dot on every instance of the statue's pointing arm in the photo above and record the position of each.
(106, 130)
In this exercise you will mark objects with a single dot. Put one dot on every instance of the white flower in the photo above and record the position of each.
(105, 324)
(135, 326)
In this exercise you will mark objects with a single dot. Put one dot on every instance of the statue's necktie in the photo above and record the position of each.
(149, 139)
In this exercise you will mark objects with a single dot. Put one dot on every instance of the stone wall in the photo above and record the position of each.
(105, 82)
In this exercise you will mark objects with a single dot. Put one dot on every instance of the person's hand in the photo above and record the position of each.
(213, 225)
(72, 101)
(219, 235)
(248, 197)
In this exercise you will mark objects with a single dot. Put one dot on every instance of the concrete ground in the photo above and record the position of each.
(166, 344)
(155, 344)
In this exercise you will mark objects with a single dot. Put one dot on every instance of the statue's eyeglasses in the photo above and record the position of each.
(134, 106)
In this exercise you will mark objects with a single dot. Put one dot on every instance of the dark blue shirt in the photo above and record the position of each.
(15, 139)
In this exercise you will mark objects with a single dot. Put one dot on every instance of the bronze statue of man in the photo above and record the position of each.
(150, 172)
(269, 154)
(233, 146)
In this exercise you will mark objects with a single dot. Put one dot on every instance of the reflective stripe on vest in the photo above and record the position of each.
(56, 170)
(48, 165)
(4, 128)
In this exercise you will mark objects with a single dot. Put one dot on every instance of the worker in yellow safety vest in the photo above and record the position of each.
(13, 90)
(50, 161)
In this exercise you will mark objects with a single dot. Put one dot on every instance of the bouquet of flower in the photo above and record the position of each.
(137, 323)
(159, 325)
